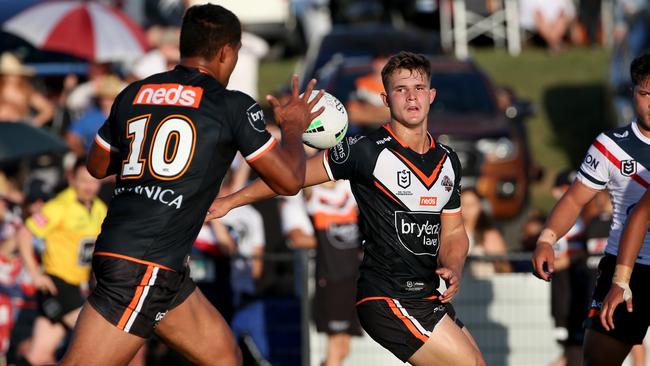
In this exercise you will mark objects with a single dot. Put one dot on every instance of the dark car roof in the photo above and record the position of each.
(368, 40)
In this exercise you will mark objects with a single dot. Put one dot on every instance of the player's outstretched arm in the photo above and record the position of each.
(562, 218)
(454, 245)
(630, 246)
(315, 173)
(283, 168)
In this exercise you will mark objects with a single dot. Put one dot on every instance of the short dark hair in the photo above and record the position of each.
(413, 62)
(78, 164)
(206, 29)
(640, 69)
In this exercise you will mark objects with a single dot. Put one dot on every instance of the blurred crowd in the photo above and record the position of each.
(238, 260)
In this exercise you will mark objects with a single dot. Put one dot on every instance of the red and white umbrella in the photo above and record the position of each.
(85, 29)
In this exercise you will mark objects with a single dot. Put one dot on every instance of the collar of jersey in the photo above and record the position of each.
(390, 131)
(637, 132)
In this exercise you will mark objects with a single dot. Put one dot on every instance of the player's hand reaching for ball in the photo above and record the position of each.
(296, 110)
(452, 280)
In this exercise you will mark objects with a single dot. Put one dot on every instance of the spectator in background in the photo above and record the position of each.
(19, 100)
(15, 284)
(366, 108)
(69, 224)
(570, 288)
(550, 19)
(244, 76)
(81, 96)
(163, 57)
(484, 238)
(631, 37)
(82, 132)
(334, 214)
(247, 265)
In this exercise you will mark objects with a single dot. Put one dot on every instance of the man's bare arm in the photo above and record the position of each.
(454, 245)
(315, 173)
(562, 218)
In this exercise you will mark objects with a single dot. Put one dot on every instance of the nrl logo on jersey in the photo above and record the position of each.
(404, 178)
(628, 167)
(447, 183)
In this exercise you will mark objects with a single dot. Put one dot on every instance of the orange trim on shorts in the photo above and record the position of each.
(126, 257)
(409, 325)
(372, 298)
(407, 322)
(134, 302)
(593, 313)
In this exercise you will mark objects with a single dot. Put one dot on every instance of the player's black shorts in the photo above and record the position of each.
(68, 298)
(631, 327)
(135, 295)
(402, 326)
(333, 307)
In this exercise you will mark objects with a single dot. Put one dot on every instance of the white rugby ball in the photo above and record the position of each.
(329, 128)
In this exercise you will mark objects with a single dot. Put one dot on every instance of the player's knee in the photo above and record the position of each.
(232, 357)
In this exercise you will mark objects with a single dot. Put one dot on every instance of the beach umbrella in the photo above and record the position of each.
(89, 30)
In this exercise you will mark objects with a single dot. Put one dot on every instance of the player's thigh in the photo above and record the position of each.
(602, 350)
(448, 345)
(97, 342)
(197, 330)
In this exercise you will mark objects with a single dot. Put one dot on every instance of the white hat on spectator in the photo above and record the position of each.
(11, 65)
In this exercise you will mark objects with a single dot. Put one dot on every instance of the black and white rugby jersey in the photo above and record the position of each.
(401, 195)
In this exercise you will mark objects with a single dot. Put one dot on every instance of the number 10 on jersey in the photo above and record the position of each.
(170, 151)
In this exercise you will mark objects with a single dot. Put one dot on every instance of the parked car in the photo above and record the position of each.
(483, 123)
(363, 41)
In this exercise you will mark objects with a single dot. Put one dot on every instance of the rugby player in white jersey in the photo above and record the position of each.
(619, 161)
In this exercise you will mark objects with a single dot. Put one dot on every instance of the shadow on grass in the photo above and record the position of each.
(577, 114)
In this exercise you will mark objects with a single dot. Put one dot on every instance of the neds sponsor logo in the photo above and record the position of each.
(170, 95)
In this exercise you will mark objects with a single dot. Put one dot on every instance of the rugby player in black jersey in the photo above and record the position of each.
(170, 138)
(407, 186)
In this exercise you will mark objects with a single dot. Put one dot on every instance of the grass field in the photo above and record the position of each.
(568, 91)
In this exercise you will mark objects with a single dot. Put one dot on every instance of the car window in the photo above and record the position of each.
(461, 93)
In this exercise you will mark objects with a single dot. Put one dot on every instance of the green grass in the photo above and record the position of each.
(571, 101)
(568, 91)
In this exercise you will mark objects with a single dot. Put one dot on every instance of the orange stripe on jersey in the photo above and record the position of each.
(138, 293)
(427, 180)
(409, 324)
(387, 193)
(323, 220)
(593, 313)
(126, 257)
(432, 297)
(390, 131)
(101, 144)
(259, 154)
